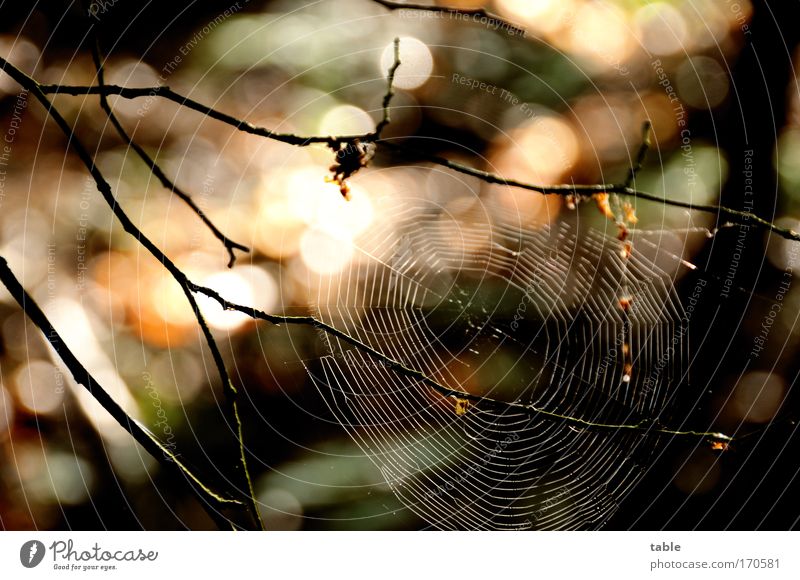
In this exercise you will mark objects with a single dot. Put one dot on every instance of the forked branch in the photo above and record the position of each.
(156, 170)
(213, 501)
(127, 224)
(334, 142)
(734, 216)
(444, 390)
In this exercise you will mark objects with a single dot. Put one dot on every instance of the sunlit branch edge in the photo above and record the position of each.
(739, 218)
(128, 226)
(149, 441)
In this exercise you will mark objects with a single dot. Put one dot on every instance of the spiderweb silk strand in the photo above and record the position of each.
(546, 317)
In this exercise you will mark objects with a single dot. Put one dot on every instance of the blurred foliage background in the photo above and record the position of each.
(562, 102)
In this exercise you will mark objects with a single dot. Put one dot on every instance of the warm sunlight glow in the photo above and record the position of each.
(346, 120)
(416, 63)
(246, 285)
(39, 387)
(539, 15)
(602, 34)
(661, 28)
(325, 253)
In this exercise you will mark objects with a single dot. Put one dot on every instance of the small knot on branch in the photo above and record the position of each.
(351, 156)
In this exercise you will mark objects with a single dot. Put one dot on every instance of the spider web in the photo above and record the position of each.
(518, 315)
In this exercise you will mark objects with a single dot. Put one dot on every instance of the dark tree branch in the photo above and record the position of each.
(387, 98)
(161, 452)
(737, 217)
(400, 368)
(229, 244)
(170, 95)
(108, 195)
(643, 148)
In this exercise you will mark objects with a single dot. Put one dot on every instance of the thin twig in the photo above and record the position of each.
(108, 195)
(739, 218)
(167, 93)
(637, 165)
(229, 244)
(709, 233)
(82, 376)
(387, 98)
(736, 217)
(355, 153)
(401, 368)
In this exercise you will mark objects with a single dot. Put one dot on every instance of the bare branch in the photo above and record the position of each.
(105, 190)
(737, 217)
(170, 95)
(387, 98)
(399, 367)
(229, 244)
(161, 452)
(643, 148)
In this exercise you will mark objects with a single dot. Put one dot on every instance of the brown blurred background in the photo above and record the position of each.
(564, 102)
